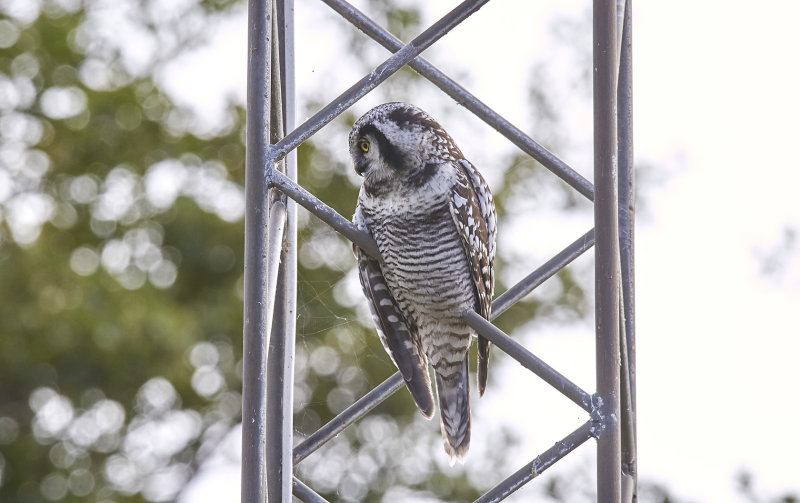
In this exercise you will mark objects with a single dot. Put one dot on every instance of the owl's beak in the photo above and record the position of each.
(361, 166)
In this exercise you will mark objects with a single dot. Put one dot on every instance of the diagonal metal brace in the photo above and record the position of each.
(350, 415)
(541, 463)
(517, 351)
(305, 493)
(325, 213)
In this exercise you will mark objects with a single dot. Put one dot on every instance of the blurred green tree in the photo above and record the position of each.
(120, 262)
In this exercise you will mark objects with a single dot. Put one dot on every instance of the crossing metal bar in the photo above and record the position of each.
(530, 361)
(607, 276)
(254, 345)
(370, 81)
(466, 99)
(541, 463)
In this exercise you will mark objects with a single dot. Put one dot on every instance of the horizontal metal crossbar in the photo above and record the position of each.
(370, 81)
(466, 99)
(541, 463)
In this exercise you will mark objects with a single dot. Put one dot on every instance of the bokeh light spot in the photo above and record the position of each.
(63, 102)
(84, 261)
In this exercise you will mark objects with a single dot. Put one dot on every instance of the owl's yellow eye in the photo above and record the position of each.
(364, 145)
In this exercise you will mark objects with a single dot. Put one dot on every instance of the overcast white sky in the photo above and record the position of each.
(716, 103)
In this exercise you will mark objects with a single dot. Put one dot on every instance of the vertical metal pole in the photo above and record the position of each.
(607, 276)
(253, 488)
(626, 185)
(281, 262)
(280, 360)
(289, 259)
(626, 235)
(290, 253)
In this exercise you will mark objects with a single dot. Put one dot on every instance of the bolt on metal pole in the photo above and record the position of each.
(607, 274)
(254, 343)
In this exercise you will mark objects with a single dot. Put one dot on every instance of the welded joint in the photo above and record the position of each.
(270, 163)
(602, 415)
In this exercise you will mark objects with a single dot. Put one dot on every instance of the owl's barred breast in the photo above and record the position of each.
(426, 269)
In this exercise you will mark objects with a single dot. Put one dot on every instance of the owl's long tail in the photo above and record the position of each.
(453, 391)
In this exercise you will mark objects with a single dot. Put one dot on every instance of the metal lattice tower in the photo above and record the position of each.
(271, 246)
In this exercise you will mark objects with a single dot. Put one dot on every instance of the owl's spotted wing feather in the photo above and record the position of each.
(473, 211)
(395, 334)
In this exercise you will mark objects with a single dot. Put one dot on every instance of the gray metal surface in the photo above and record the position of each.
(270, 251)
(281, 266)
(607, 275)
(626, 245)
(254, 344)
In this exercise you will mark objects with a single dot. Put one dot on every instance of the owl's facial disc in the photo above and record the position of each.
(365, 153)
(374, 156)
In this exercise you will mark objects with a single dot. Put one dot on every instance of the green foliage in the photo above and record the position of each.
(122, 310)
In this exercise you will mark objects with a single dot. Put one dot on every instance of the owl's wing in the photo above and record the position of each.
(394, 332)
(472, 207)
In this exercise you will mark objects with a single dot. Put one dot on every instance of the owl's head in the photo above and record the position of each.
(397, 141)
